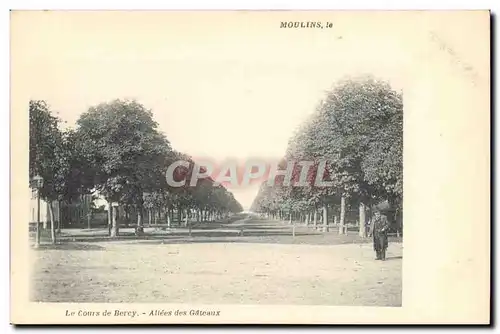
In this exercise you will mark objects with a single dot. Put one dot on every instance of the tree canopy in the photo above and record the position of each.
(117, 151)
(358, 130)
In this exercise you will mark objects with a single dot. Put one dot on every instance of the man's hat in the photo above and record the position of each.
(383, 206)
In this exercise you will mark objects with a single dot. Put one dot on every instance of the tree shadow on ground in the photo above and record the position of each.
(210, 226)
(70, 246)
(190, 241)
(247, 231)
(202, 233)
(266, 227)
(285, 239)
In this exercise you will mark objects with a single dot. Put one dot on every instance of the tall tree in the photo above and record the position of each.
(357, 130)
(48, 156)
(125, 150)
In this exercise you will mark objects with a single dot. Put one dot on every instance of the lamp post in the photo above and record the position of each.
(37, 183)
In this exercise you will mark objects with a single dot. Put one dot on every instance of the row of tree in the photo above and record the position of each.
(358, 130)
(117, 151)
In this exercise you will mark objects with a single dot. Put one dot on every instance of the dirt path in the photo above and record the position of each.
(221, 269)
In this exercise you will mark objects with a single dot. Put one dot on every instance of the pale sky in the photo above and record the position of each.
(220, 85)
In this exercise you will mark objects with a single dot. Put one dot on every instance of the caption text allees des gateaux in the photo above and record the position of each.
(134, 314)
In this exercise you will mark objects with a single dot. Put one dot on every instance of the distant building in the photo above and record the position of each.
(69, 214)
(44, 210)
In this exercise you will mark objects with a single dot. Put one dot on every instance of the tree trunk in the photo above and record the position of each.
(139, 217)
(399, 222)
(307, 217)
(110, 208)
(290, 218)
(342, 215)
(169, 218)
(58, 231)
(114, 223)
(315, 221)
(52, 225)
(45, 220)
(362, 220)
(171, 214)
(59, 217)
(89, 226)
(325, 218)
(187, 217)
(179, 216)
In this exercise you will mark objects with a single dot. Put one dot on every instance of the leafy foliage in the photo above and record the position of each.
(358, 130)
(118, 151)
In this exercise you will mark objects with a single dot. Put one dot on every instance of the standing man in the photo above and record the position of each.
(379, 230)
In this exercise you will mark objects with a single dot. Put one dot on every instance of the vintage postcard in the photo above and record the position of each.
(250, 167)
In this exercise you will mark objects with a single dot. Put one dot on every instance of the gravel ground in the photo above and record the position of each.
(265, 265)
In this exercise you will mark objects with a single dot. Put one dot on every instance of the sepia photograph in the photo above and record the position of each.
(216, 160)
